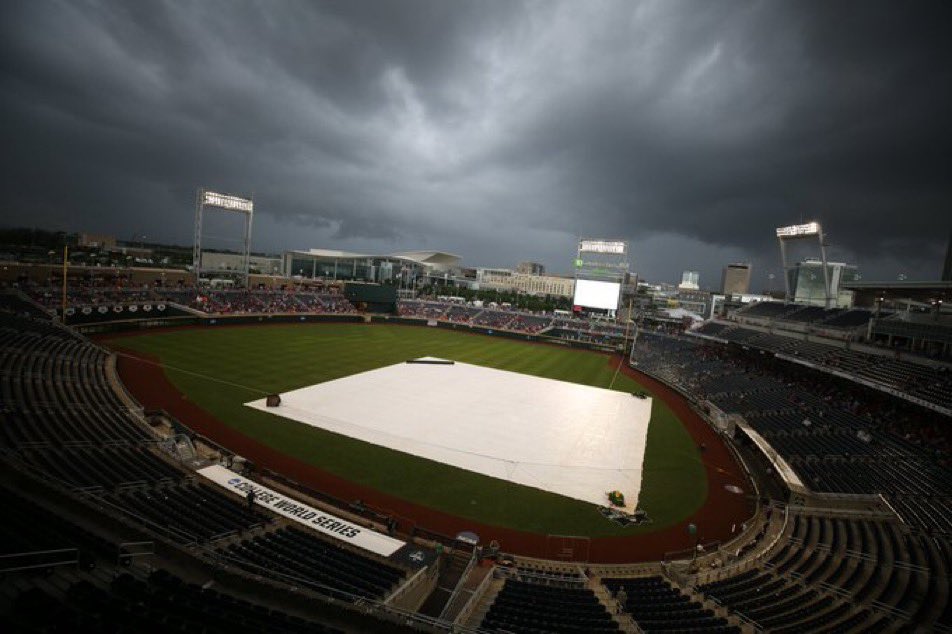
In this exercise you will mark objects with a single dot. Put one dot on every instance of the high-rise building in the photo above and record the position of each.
(690, 281)
(947, 269)
(736, 279)
(530, 268)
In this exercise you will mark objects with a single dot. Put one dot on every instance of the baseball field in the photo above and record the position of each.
(217, 370)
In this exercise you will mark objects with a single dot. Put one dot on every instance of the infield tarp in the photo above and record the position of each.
(574, 440)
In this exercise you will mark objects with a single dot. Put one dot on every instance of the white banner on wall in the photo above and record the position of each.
(314, 518)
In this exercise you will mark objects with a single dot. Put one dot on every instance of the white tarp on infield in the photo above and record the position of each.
(570, 439)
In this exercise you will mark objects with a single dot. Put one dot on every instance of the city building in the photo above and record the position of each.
(508, 280)
(735, 279)
(947, 268)
(95, 240)
(530, 268)
(690, 281)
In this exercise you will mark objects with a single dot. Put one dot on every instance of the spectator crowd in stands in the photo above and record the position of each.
(206, 300)
(838, 435)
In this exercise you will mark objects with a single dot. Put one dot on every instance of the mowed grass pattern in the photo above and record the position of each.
(220, 369)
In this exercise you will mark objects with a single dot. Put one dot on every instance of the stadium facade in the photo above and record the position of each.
(806, 283)
(332, 264)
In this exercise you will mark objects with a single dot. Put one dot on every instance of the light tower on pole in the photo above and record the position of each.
(214, 201)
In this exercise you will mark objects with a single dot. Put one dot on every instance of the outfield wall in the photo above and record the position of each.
(493, 332)
(127, 325)
(211, 321)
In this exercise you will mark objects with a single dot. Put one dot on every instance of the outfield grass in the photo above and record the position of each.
(220, 369)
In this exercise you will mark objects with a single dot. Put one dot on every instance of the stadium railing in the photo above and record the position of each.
(38, 559)
(467, 610)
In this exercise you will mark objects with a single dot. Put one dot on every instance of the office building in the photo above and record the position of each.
(690, 281)
(735, 279)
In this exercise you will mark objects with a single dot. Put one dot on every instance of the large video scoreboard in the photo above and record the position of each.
(600, 270)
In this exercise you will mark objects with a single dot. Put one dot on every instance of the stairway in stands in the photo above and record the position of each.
(451, 571)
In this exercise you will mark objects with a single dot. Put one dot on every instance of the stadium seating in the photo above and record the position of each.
(55, 389)
(191, 512)
(658, 607)
(209, 301)
(812, 425)
(523, 607)
(322, 566)
(808, 314)
(852, 318)
(30, 528)
(15, 303)
(769, 310)
(160, 603)
(487, 317)
(51, 584)
(841, 574)
(923, 381)
(712, 328)
(97, 466)
(794, 316)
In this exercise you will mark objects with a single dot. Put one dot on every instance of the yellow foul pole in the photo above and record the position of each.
(624, 341)
(65, 260)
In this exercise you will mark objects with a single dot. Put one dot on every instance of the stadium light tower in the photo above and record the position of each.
(806, 231)
(215, 201)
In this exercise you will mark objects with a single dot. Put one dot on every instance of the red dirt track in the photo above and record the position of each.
(147, 382)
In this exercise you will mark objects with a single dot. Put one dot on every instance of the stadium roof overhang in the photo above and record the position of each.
(440, 260)
(333, 253)
(431, 258)
(917, 291)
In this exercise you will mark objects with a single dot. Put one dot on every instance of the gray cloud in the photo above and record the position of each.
(498, 130)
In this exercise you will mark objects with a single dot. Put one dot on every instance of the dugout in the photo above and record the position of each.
(374, 298)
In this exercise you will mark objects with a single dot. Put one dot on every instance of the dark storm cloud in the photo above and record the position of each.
(498, 130)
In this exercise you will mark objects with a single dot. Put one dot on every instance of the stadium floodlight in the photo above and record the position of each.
(217, 201)
(616, 247)
(226, 201)
(800, 232)
(795, 231)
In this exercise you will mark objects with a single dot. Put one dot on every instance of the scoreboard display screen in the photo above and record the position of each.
(600, 295)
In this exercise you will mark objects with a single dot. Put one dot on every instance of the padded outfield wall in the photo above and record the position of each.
(117, 326)
(211, 321)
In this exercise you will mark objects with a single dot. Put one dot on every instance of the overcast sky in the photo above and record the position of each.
(499, 131)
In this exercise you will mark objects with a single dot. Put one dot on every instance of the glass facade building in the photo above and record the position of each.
(806, 280)
(345, 266)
